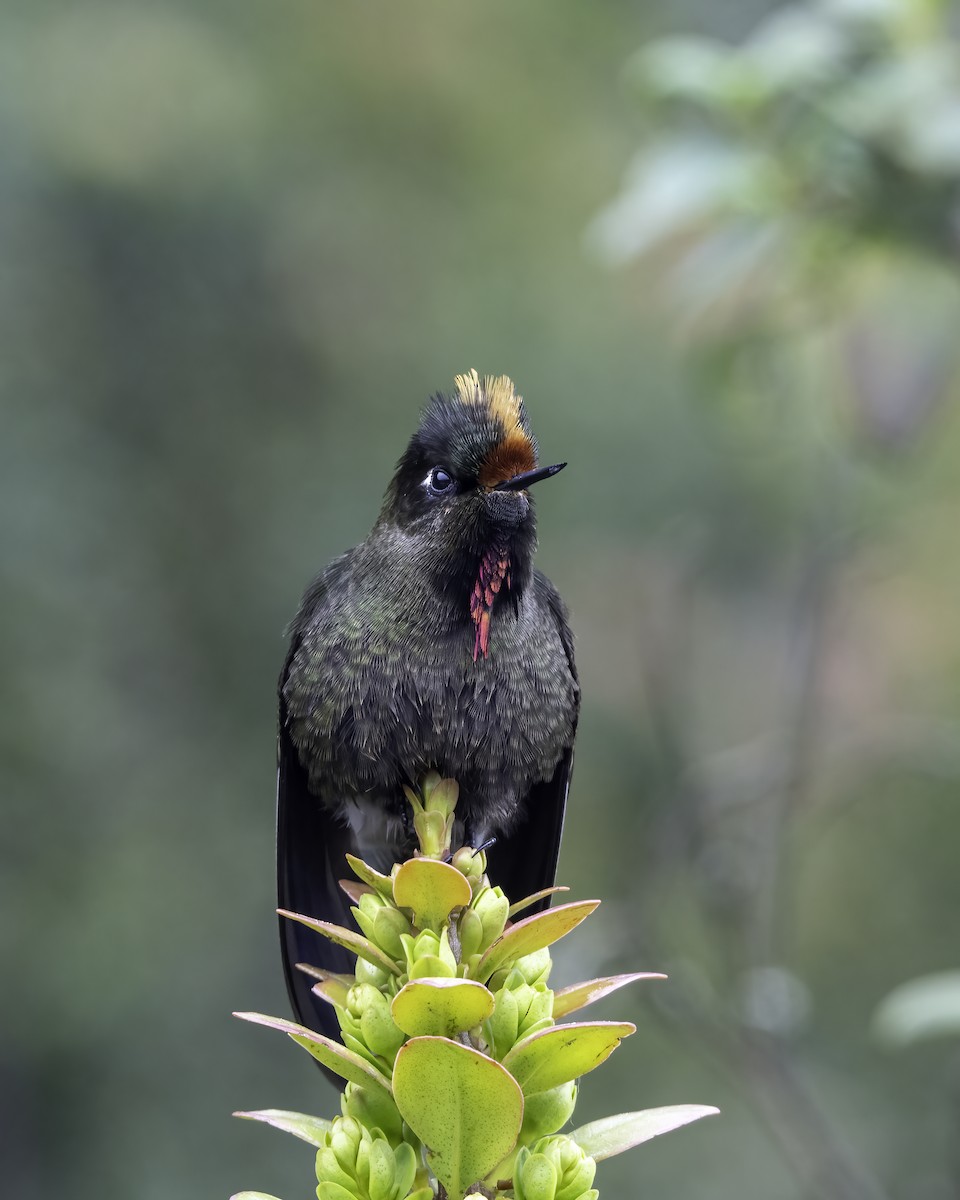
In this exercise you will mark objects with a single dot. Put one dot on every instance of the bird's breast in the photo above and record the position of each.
(370, 706)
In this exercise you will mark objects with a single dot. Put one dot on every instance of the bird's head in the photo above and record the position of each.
(461, 489)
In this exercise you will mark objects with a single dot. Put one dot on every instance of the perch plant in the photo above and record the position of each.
(460, 1069)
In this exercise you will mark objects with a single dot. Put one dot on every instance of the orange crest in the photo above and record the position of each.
(509, 457)
(516, 451)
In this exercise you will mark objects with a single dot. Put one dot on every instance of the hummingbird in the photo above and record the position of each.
(433, 645)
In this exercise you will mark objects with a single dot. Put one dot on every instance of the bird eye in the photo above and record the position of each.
(439, 481)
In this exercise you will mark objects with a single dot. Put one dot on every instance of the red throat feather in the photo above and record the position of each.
(494, 572)
(513, 453)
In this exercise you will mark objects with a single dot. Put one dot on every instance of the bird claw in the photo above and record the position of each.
(406, 822)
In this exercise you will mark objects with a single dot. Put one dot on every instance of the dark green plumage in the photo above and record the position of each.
(433, 645)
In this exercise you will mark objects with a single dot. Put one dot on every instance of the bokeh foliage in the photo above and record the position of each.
(241, 243)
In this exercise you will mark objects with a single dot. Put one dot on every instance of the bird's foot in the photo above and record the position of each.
(406, 823)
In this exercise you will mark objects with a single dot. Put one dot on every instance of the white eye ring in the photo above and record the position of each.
(439, 481)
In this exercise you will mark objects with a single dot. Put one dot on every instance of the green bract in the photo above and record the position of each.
(432, 889)
(546, 1112)
(461, 1104)
(443, 1007)
(457, 1072)
(367, 1025)
(554, 1056)
(361, 1164)
(556, 1168)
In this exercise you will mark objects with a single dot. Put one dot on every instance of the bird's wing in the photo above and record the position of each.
(311, 846)
(525, 861)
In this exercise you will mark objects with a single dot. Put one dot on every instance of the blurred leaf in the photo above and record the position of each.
(894, 94)
(864, 12)
(931, 136)
(732, 267)
(464, 1107)
(689, 68)
(612, 1135)
(926, 1007)
(554, 1056)
(307, 1128)
(797, 47)
(672, 186)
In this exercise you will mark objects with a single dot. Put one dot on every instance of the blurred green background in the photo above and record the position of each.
(240, 244)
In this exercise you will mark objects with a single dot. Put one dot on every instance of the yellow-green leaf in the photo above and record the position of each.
(321, 974)
(430, 966)
(553, 1056)
(307, 1128)
(343, 1062)
(329, 1189)
(528, 901)
(612, 1135)
(355, 942)
(530, 934)
(431, 888)
(380, 883)
(579, 995)
(332, 990)
(441, 1007)
(354, 890)
(329, 986)
(463, 1106)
